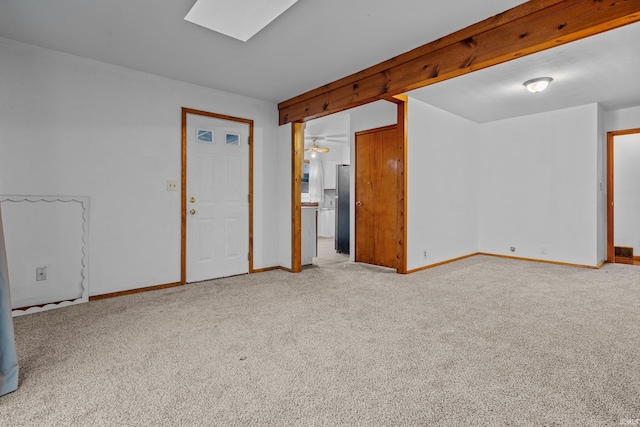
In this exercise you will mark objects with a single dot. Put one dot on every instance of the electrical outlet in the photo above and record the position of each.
(424, 254)
(512, 249)
(41, 274)
(172, 185)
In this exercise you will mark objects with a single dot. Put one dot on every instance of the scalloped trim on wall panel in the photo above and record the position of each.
(51, 232)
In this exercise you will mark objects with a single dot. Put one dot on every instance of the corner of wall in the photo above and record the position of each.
(442, 186)
(602, 187)
(626, 118)
(539, 186)
(284, 195)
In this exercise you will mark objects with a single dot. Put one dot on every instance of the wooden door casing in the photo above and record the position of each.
(376, 184)
(216, 210)
(611, 257)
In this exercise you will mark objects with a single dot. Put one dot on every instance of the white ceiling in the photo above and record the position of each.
(312, 43)
(599, 69)
(315, 42)
(333, 129)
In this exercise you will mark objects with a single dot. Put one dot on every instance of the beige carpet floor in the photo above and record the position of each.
(482, 341)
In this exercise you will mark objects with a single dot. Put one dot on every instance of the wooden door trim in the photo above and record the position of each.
(402, 101)
(183, 189)
(403, 133)
(531, 27)
(611, 257)
(297, 160)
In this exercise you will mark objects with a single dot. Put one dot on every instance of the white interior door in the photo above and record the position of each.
(217, 198)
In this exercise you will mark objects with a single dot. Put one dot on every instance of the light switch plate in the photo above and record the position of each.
(172, 185)
(41, 273)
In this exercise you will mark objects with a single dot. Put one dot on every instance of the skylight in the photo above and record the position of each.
(240, 19)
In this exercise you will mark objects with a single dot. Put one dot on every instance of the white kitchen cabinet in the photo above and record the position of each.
(309, 234)
(327, 222)
(329, 174)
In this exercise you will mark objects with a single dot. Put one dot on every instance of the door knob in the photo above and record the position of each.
(358, 203)
(192, 200)
(192, 211)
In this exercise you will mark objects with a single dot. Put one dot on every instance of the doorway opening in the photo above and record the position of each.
(322, 242)
(326, 191)
(623, 202)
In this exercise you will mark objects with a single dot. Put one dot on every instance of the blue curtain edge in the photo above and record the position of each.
(10, 381)
(8, 355)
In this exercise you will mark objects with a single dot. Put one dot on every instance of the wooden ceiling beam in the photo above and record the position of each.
(532, 27)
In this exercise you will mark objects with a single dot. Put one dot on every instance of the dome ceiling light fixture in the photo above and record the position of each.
(537, 85)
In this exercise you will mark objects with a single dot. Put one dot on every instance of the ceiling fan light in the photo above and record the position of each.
(315, 148)
(537, 85)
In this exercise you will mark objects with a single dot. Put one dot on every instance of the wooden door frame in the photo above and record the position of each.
(611, 256)
(183, 191)
(297, 158)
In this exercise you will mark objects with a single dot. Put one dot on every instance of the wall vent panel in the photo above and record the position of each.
(47, 243)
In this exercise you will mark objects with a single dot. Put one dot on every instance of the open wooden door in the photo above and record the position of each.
(376, 188)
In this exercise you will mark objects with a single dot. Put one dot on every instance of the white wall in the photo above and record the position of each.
(602, 187)
(51, 234)
(539, 186)
(371, 116)
(73, 126)
(627, 118)
(442, 186)
(266, 178)
(627, 191)
(283, 186)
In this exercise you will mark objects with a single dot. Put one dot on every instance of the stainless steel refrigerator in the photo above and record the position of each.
(342, 208)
